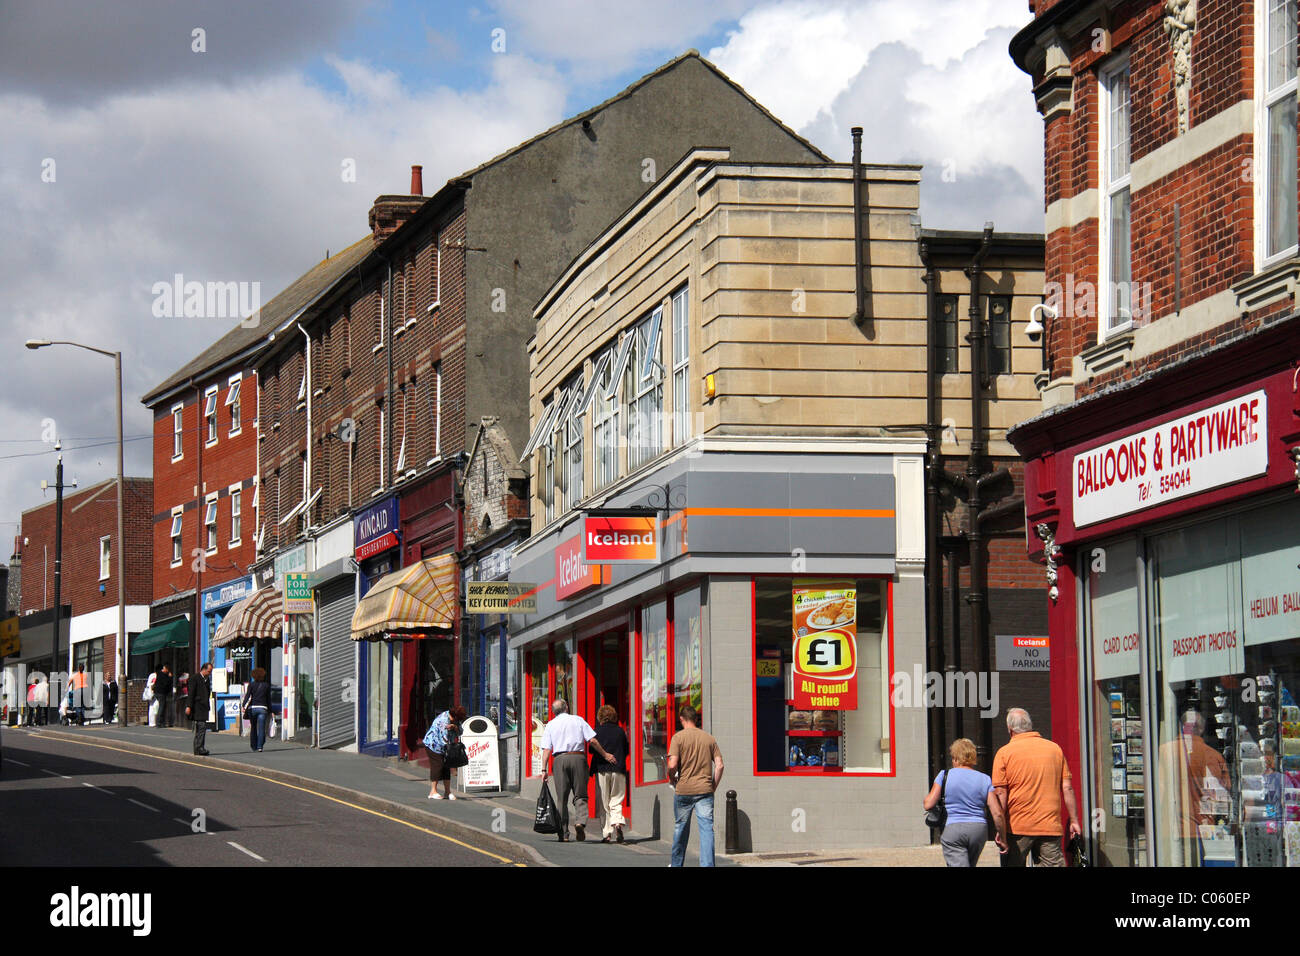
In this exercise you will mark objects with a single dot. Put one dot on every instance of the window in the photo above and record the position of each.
(232, 402)
(236, 511)
(644, 392)
(178, 431)
(605, 429)
(105, 550)
(652, 641)
(946, 346)
(210, 413)
(688, 673)
(825, 740)
(999, 335)
(681, 366)
(437, 271)
(210, 522)
(539, 700)
(570, 434)
(1278, 135)
(547, 485)
(1115, 288)
(177, 520)
(437, 409)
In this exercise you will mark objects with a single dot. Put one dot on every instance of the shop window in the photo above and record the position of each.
(839, 722)
(656, 710)
(539, 705)
(946, 360)
(688, 675)
(1118, 788)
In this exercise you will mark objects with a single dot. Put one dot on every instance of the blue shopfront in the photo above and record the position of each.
(216, 602)
(377, 550)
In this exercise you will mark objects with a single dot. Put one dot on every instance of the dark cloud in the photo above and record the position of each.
(73, 51)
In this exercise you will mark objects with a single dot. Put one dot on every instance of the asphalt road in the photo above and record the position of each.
(74, 804)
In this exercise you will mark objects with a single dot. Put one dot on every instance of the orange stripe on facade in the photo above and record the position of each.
(541, 587)
(789, 512)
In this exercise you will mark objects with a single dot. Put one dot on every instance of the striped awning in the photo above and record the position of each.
(417, 598)
(255, 618)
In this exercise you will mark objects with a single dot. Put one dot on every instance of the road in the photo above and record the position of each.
(66, 803)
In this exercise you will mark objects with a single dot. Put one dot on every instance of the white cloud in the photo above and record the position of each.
(214, 181)
(930, 82)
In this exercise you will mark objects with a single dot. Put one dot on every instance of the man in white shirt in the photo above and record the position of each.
(566, 736)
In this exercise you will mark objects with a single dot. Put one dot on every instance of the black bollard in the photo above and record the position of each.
(733, 824)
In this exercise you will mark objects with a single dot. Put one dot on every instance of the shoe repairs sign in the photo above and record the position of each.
(500, 597)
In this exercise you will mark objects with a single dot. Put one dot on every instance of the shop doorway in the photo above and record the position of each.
(604, 681)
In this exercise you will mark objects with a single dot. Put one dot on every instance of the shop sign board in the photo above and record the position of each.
(620, 539)
(572, 574)
(481, 744)
(375, 529)
(500, 597)
(297, 594)
(825, 625)
(9, 636)
(1205, 449)
(1021, 653)
(225, 595)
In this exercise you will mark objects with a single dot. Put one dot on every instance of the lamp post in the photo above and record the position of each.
(121, 538)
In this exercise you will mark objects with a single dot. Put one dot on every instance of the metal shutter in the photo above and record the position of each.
(337, 692)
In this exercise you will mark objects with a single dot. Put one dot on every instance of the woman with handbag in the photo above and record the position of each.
(256, 708)
(444, 746)
(956, 805)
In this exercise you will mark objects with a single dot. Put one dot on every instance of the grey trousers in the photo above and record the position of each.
(962, 843)
(200, 734)
(571, 778)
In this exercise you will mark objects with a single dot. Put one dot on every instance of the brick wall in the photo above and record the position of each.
(89, 515)
(229, 462)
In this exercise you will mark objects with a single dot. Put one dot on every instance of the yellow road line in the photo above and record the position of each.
(281, 783)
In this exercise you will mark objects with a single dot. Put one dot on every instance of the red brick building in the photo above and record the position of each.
(88, 589)
(1161, 475)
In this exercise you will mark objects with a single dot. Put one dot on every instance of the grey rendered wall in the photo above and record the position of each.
(531, 214)
(838, 812)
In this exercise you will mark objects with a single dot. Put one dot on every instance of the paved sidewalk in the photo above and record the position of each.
(388, 786)
(499, 822)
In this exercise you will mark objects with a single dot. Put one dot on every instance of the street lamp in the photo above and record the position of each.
(121, 538)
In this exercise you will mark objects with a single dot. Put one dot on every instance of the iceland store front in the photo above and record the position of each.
(1169, 505)
(714, 579)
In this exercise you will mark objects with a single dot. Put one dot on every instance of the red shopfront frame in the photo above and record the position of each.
(753, 683)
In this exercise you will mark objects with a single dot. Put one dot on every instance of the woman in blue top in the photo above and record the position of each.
(967, 794)
(445, 727)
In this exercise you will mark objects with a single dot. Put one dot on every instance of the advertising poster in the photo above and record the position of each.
(825, 646)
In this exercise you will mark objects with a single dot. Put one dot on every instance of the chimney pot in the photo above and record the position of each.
(417, 180)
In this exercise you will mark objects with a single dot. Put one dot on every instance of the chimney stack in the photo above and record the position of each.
(389, 212)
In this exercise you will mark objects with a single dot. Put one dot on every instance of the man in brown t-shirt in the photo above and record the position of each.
(695, 769)
(1031, 779)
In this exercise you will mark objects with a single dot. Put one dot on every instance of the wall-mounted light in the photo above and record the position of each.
(710, 387)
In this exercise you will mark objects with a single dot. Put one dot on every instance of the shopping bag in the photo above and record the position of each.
(1078, 855)
(548, 817)
(270, 730)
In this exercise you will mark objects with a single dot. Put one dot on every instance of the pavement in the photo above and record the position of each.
(500, 823)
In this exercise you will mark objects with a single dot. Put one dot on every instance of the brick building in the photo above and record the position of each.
(1161, 472)
(88, 589)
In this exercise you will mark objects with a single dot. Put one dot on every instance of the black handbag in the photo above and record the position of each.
(1078, 856)
(455, 755)
(937, 816)
(547, 819)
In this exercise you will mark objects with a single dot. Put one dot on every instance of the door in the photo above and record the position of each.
(604, 680)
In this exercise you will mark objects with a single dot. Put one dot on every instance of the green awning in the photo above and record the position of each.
(172, 634)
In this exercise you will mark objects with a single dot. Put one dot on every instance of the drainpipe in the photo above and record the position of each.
(933, 557)
(976, 480)
(388, 388)
(306, 491)
(860, 315)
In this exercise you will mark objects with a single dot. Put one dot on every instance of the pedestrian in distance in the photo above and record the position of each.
(566, 736)
(78, 694)
(110, 692)
(695, 770)
(966, 793)
(1032, 780)
(197, 711)
(446, 727)
(611, 779)
(256, 708)
(162, 689)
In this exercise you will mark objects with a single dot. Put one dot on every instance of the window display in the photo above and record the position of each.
(654, 692)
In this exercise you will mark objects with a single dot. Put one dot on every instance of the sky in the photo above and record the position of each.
(239, 140)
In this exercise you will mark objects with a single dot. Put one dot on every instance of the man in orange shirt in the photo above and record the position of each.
(80, 697)
(1031, 779)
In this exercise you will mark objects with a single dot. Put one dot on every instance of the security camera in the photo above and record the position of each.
(1035, 327)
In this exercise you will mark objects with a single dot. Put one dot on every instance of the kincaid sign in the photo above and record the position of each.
(376, 529)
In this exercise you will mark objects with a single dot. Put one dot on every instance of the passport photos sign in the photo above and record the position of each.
(825, 646)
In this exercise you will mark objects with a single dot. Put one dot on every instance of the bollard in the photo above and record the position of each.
(733, 824)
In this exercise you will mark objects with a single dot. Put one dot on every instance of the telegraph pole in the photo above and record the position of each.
(58, 577)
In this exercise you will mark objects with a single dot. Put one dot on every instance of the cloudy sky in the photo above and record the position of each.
(129, 154)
